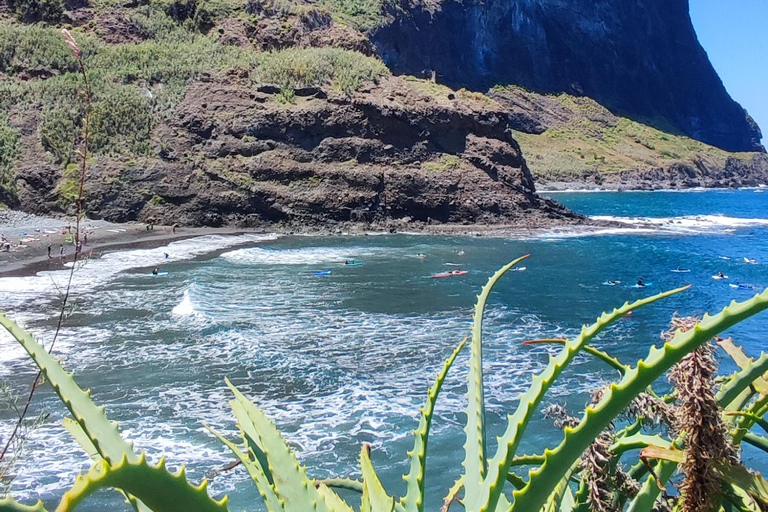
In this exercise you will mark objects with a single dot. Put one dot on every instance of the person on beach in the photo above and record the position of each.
(49, 251)
(85, 238)
(173, 228)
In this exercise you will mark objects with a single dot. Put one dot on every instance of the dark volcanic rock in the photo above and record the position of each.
(637, 57)
(705, 173)
(391, 153)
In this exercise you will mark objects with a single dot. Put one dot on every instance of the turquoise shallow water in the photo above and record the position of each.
(344, 359)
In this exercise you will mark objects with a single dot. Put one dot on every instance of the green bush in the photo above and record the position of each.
(60, 129)
(296, 68)
(361, 14)
(9, 148)
(34, 47)
(69, 185)
(121, 121)
(32, 11)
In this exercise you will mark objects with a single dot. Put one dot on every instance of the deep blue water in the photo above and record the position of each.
(344, 359)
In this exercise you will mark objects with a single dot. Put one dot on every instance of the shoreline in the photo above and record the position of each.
(30, 259)
(677, 190)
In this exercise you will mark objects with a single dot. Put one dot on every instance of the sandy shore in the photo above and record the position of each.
(30, 236)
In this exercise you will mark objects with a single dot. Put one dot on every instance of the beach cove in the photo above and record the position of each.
(342, 359)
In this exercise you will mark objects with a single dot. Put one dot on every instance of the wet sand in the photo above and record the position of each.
(33, 256)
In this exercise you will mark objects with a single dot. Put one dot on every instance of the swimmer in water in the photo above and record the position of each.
(421, 255)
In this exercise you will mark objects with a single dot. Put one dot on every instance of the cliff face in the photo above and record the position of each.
(390, 156)
(640, 58)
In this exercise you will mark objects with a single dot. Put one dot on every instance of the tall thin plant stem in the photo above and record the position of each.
(79, 211)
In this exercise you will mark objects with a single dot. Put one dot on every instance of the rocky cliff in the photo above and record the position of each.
(281, 112)
(390, 156)
(639, 58)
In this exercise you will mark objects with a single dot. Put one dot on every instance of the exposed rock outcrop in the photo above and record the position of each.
(637, 57)
(389, 156)
(705, 173)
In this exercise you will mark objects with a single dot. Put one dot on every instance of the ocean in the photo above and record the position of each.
(343, 359)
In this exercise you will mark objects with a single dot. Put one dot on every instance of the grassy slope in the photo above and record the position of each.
(584, 136)
(138, 84)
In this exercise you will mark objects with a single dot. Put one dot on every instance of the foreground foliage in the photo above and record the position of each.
(693, 427)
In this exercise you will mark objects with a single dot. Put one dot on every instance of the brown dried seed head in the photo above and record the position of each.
(70, 41)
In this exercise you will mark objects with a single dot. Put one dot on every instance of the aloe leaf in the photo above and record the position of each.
(745, 423)
(474, 446)
(375, 498)
(290, 479)
(636, 442)
(737, 389)
(102, 433)
(756, 441)
(555, 503)
(649, 490)
(743, 361)
(753, 484)
(599, 354)
(618, 396)
(413, 501)
(757, 420)
(8, 504)
(498, 467)
(256, 472)
(453, 494)
(250, 436)
(155, 486)
(77, 433)
(333, 500)
(516, 481)
(347, 484)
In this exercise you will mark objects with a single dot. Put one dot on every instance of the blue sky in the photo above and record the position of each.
(735, 35)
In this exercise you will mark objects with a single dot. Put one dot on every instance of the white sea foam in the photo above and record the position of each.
(305, 256)
(95, 272)
(185, 307)
(688, 224)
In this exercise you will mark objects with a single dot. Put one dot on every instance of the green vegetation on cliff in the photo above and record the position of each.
(137, 84)
(583, 136)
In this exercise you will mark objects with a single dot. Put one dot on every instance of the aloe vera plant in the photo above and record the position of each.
(558, 479)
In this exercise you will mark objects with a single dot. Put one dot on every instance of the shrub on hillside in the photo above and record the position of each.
(121, 121)
(33, 11)
(9, 140)
(33, 48)
(296, 68)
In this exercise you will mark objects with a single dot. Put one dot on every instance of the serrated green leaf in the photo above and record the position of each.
(499, 465)
(413, 501)
(291, 482)
(102, 433)
(375, 497)
(256, 472)
(618, 396)
(155, 486)
(8, 504)
(474, 445)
